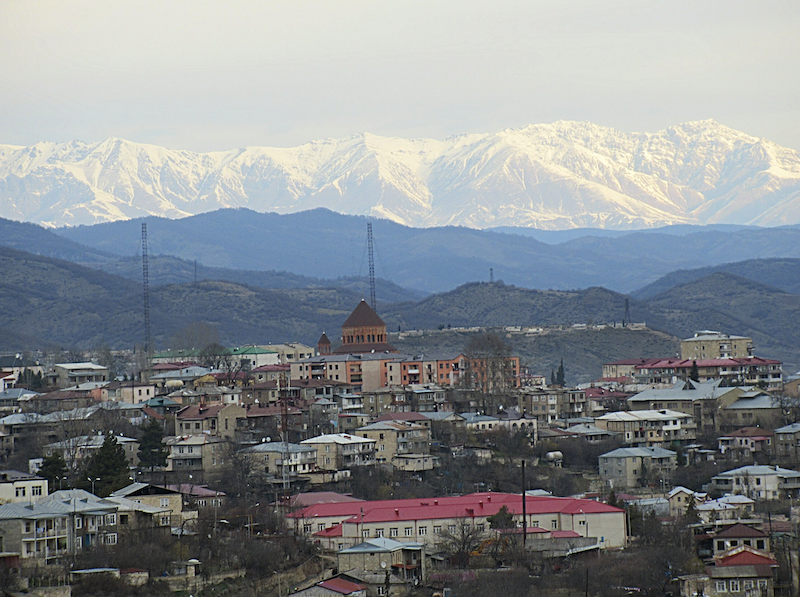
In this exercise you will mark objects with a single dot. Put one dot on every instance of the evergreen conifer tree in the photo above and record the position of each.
(152, 452)
(108, 467)
(54, 469)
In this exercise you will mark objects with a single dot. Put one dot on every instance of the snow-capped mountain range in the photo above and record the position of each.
(554, 176)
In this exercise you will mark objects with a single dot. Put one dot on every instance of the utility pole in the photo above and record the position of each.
(524, 509)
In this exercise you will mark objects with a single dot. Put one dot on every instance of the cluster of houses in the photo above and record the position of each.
(304, 416)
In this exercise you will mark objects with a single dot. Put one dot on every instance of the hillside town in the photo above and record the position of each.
(351, 469)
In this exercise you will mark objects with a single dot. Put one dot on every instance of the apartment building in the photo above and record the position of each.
(650, 428)
(625, 468)
(337, 451)
(709, 344)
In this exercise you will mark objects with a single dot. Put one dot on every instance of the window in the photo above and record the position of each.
(165, 520)
(437, 529)
(720, 546)
(28, 527)
(762, 583)
(365, 534)
(720, 586)
(554, 525)
(481, 527)
(734, 586)
(36, 490)
(20, 492)
(393, 532)
(321, 526)
(78, 522)
(748, 585)
(306, 528)
(759, 544)
(422, 531)
(451, 528)
(79, 542)
(379, 532)
(111, 519)
(111, 539)
(409, 531)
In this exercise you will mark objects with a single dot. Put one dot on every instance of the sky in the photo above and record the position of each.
(217, 75)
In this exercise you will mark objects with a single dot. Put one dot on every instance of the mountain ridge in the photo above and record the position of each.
(560, 175)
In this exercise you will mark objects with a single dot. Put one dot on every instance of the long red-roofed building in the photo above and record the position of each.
(422, 519)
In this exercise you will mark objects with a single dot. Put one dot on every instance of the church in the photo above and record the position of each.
(362, 332)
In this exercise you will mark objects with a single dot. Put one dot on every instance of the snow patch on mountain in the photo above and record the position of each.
(559, 175)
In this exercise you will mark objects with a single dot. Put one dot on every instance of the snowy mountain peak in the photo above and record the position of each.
(559, 175)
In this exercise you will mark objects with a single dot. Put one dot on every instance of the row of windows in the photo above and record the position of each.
(734, 586)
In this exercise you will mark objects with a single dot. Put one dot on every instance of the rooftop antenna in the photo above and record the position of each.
(627, 318)
(491, 275)
(372, 302)
(146, 291)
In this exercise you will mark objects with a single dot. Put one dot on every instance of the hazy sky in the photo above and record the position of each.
(217, 75)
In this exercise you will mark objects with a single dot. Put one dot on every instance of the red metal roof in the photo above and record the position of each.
(475, 504)
(402, 417)
(564, 534)
(741, 530)
(334, 531)
(746, 557)
(340, 585)
(687, 363)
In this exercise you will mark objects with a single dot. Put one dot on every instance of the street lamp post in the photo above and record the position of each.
(92, 481)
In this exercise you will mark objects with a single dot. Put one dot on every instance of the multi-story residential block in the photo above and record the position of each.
(190, 453)
(753, 407)
(425, 520)
(637, 467)
(221, 419)
(747, 443)
(64, 375)
(168, 501)
(715, 345)
(273, 458)
(290, 352)
(787, 442)
(704, 401)
(759, 482)
(338, 451)
(128, 391)
(650, 428)
(78, 450)
(736, 371)
(397, 439)
(64, 523)
(21, 487)
(548, 405)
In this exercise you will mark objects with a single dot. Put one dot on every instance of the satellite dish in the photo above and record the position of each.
(269, 439)
(383, 564)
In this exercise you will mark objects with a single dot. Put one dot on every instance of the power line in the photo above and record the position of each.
(372, 302)
(146, 291)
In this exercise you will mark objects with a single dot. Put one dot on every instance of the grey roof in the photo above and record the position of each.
(759, 470)
(381, 544)
(589, 430)
(479, 418)
(442, 416)
(700, 391)
(277, 447)
(639, 452)
(16, 393)
(790, 428)
(761, 401)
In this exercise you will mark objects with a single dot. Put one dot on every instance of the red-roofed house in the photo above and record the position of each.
(739, 572)
(334, 587)
(219, 419)
(421, 520)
